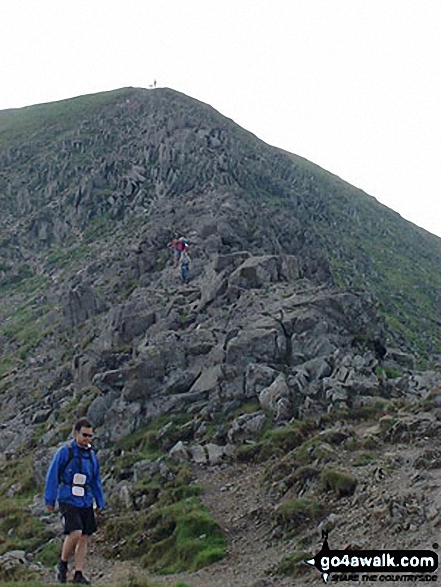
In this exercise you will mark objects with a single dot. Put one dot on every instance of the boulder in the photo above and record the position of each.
(209, 381)
(145, 379)
(257, 378)
(310, 409)
(113, 380)
(269, 396)
(254, 272)
(121, 419)
(121, 496)
(363, 385)
(41, 416)
(201, 342)
(144, 469)
(328, 523)
(12, 560)
(317, 368)
(423, 383)
(214, 289)
(316, 344)
(198, 454)
(298, 383)
(283, 410)
(265, 345)
(231, 262)
(179, 452)
(303, 320)
(215, 453)
(162, 351)
(38, 507)
(288, 268)
(129, 320)
(337, 393)
(80, 305)
(99, 407)
(180, 382)
(396, 357)
(84, 369)
(246, 427)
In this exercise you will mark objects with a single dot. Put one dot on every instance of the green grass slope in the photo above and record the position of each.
(18, 124)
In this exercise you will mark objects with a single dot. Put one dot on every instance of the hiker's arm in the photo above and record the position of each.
(97, 489)
(51, 488)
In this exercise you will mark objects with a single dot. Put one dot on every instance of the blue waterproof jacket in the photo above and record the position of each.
(59, 478)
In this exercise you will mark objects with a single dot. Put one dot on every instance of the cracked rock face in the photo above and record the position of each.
(96, 319)
(283, 320)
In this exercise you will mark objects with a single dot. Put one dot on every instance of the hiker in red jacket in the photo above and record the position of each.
(178, 246)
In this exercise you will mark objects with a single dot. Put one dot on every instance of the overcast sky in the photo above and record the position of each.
(352, 85)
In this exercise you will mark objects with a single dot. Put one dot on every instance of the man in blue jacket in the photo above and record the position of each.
(73, 479)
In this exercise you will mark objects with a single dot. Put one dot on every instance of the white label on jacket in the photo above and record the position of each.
(79, 479)
(77, 490)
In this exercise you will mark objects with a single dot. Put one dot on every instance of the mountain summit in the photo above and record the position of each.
(133, 154)
(307, 300)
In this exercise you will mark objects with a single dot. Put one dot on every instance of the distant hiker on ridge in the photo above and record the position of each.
(73, 479)
(184, 264)
(178, 246)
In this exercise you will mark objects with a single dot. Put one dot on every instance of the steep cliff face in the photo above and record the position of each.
(144, 151)
(82, 169)
(305, 297)
(90, 197)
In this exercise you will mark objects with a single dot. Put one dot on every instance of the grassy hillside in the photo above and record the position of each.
(18, 124)
(372, 248)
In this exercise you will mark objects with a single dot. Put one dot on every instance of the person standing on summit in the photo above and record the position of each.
(73, 479)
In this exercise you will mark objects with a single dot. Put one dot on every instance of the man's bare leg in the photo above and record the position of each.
(70, 544)
(81, 552)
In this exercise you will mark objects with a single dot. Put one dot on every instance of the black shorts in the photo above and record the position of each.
(78, 519)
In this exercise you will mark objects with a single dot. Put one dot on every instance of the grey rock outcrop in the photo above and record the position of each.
(99, 322)
(81, 304)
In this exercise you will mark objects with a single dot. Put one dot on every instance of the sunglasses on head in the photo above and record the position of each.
(86, 435)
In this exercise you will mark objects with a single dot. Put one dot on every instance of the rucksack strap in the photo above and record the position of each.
(64, 467)
(71, 457)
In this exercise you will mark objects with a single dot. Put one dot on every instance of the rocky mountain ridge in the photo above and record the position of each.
(273, 330)
(132, 152)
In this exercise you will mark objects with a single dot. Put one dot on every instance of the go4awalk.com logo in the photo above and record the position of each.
(356, 564)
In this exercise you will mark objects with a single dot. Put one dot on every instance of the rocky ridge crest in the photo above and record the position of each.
(97, 323)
